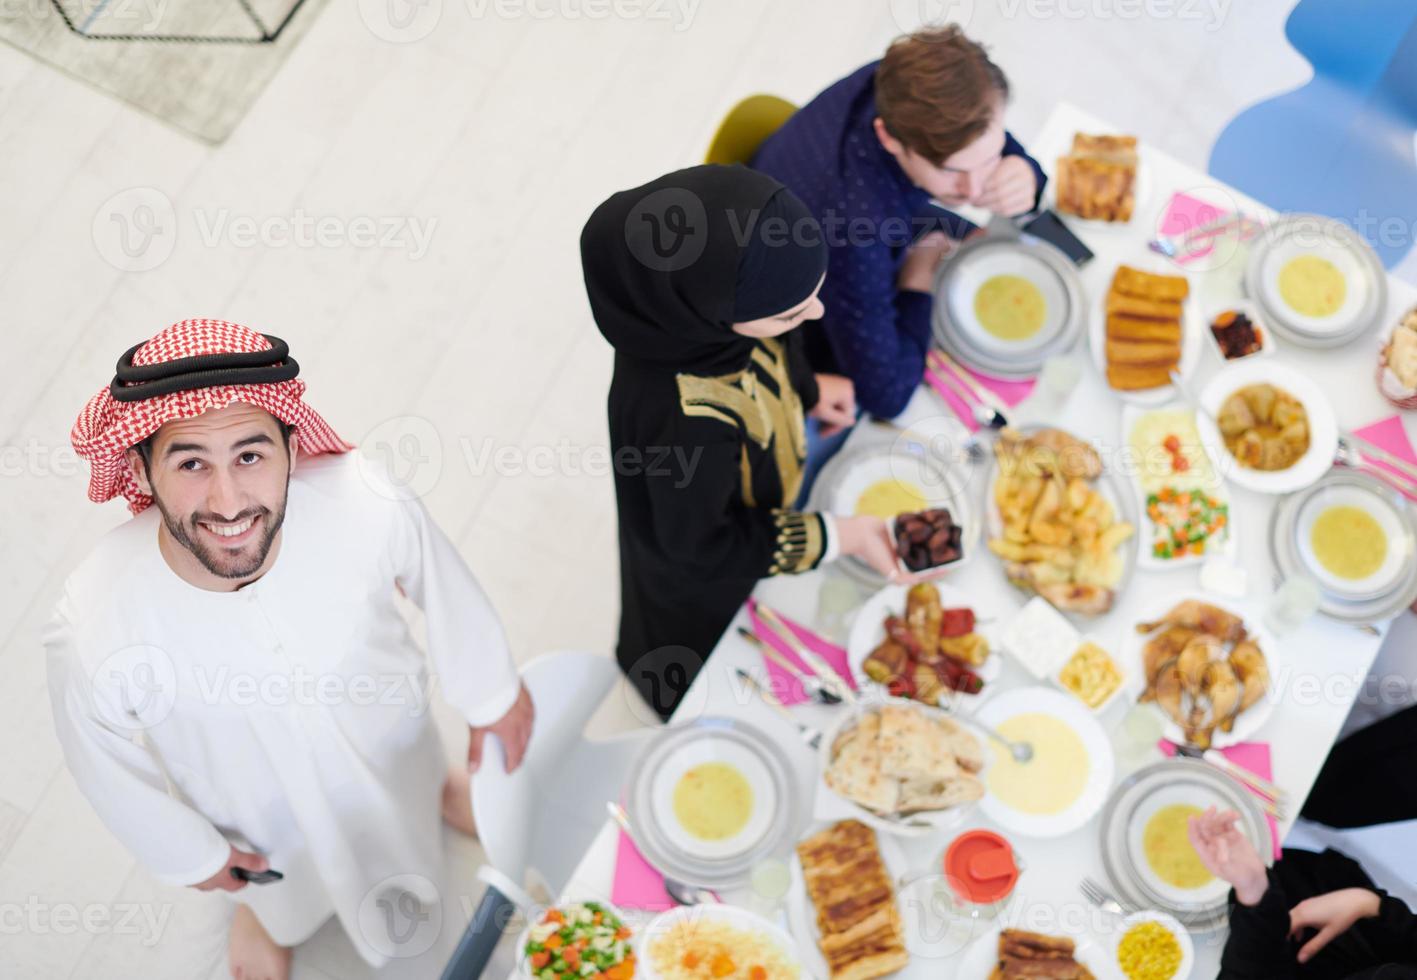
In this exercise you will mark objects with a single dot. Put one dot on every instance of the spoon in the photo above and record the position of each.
(1021, 751)
(681, 893)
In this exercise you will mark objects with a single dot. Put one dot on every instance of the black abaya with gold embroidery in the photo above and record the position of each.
(706, 426)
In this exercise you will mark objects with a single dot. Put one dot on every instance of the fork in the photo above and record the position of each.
(1101, 898)
(1351, 456)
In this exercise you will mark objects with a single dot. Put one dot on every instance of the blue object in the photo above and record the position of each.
(870, 212)
(1342, 145)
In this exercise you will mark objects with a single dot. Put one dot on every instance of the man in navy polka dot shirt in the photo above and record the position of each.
(874, 157)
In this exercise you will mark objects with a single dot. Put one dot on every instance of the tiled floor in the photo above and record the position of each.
(505, 131)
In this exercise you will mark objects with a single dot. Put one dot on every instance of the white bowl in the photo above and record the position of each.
(1392, 524)
(1188, 949)
(1075, 715)
(1323, 426)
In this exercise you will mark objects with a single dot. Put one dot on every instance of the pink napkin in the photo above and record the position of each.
(1010, 392)
(783, 684)
(1252, 757)
(1389, 434)
(1186, 213)
(636, 884)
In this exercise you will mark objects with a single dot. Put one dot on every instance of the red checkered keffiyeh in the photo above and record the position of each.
(107, 428)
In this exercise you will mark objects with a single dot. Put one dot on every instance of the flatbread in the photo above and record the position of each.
(914, 748)
(856, 774)
(939, 795)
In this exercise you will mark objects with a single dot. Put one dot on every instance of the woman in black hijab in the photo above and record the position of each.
(696, 280)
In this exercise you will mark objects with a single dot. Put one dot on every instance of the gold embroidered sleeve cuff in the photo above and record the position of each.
(800, 542)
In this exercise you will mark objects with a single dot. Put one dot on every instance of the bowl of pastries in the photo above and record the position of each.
(1097, 180)
(1397, 363)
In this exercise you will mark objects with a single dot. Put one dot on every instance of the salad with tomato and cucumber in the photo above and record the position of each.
(581, 941)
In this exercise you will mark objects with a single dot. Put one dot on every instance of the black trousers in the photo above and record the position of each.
(1369, 777)
(1259, 947)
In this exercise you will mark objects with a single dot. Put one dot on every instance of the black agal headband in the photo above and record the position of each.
(135, 383)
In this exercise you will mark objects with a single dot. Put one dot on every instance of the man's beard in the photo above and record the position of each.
(221, 562)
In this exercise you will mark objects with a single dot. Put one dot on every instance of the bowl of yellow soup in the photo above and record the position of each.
(1317, 287)
(1065, 783)
(1010, 301)
(1352, 541)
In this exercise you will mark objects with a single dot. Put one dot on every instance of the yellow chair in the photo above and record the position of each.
(747, 126)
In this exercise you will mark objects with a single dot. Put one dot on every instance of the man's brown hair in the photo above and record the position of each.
(936, 91)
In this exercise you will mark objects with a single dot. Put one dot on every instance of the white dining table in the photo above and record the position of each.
(1324, 662)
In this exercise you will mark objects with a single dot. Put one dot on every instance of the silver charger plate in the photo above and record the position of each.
(1034, 259)
(1338, 236)
(658, 843)
(1288, 561)
(1176, 778)
(946, 485)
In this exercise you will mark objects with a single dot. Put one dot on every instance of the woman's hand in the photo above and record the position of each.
(1332, 915)
(1228, 854)
(1011, 189)
(865, 537)
(836, 403)
(917, 272)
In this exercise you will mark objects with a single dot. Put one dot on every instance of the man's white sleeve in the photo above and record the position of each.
(475, 668)
(120, 778)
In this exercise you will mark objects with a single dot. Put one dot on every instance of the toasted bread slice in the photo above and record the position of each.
(1158, 353)
(1138, 377)
(1128, 328)
(1141, 307)
(1135, 282)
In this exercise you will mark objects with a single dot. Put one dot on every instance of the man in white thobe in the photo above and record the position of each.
(235, 689)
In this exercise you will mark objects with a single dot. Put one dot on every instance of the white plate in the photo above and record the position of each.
(695, 753)
(1072, 713)
(1145, 559)
(1394, 530)
(1188, 949)
(730, 914)
(802, 914)
(1108, 484)
(1254, 717)
(982, 956)
(1141, 194)
(1323, 427)
(1319, 245)
(868, 630)
(1013, 262)
(1192, 341)
(927, 823)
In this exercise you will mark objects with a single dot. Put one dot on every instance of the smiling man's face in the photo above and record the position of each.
(220, 481)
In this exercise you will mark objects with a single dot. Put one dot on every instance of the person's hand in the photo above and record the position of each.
(917, 272)
(513, 730)
(223, 881)
(1011, 189)
(865, 537)
(1332, 915)
(836, 403)
(1228, 854)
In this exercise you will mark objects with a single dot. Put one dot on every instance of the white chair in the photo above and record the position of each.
(536, 823)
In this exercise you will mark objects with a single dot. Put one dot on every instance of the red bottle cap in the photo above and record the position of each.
(980, 867)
